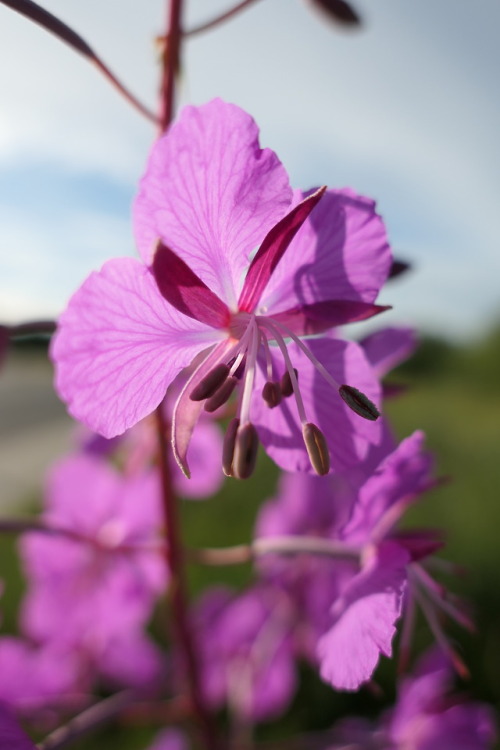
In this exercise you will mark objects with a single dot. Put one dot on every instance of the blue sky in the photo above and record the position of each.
(406, 111)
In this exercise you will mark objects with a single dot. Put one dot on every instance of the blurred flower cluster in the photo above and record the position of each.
(225, 336)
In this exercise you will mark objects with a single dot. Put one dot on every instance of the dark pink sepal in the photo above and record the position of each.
(272, 250)
(185, 290)
(318, 317)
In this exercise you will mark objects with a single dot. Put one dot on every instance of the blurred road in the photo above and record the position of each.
(34, 427)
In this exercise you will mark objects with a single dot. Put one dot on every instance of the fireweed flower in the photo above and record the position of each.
(426, 716)
(245, 644)
(104, 582)
(210, 196)
(350, 605)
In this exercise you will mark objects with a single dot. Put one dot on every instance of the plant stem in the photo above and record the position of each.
(171, 63)
(279, 545)
(219, 19)
(51, 23)
(177, 588)
(88, 720)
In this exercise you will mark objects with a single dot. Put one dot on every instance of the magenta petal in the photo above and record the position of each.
(341, 253)
(119, 345)
(389, 347)
(205, 462)
(402, 475)
(186, 291)
(348, 435)
(12, 736)
(211, 194)
(320, 316)
(272, 250)
(364, 617)
(186, 412)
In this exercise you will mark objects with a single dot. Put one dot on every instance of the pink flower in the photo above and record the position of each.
(209, 197)
(92, 590)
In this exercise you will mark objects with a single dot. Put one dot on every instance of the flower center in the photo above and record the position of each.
(252, 335)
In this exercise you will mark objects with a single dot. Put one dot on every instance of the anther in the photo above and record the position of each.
(271, 393)
(210, 383)
(317, 449)
(222, 394)
(358, 402)
(245, 451)
(286, 383)
(228, 447)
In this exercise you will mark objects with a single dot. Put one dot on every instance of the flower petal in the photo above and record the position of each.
(186, 411)
(341, 252)
(12, 736)
(186, 291)
(119, 345)
(347, 434)
(364, 618)
(211, 194)
(402, 475)
(320, 316)
(389, 347)
(272, 250)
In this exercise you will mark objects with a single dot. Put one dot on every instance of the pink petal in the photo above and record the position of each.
(211, 194)
(119, 345)
(364, 617)
(205, 461)
(403, 474)
(389, 347)
(186, 291)
(187, 412)
(12, 736)
(320, 316)
(272, 250)
(348, 435)
(341, 253)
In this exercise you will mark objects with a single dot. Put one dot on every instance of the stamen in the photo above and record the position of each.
(317, 448)
(358, 402)
(438, 594)
(222, 394)
(228, 447)
(271, 393)
(269, 360)
(437, 630)
(245, 451)
(249, 376)
(286, 383)
(407, 631)
(355, 399)
(289, 366)
(210, 383)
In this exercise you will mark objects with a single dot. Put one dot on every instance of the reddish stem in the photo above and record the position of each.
(178, 591)
(219, 19)
(171, 63)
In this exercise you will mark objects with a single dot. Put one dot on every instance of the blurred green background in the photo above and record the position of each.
(453, 394)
